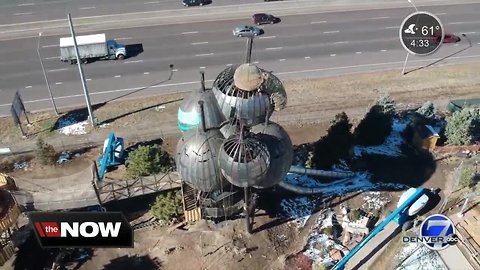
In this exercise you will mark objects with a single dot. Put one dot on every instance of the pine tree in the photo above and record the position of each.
(463, 127)
(45, 153)
(427, 110)
(387, 104)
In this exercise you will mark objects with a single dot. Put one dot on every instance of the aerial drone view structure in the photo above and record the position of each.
(239, 134)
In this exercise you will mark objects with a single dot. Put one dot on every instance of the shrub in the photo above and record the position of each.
(335, 145)
(387, 104)
(467, 177)
(427, 110)
(147, 160)
(167, 206)
(45, 153)
(328, 230)
(463, 127)
(374, 127)
(319, 266)
(355, 214)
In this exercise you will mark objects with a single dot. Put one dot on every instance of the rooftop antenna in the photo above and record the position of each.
(202, 115)
(202, 80)
(249, 50)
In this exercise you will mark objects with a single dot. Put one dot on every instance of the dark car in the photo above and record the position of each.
(263, 18)
(189, 3)
(451, 38)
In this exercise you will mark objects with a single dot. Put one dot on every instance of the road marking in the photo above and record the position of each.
(469, 33)
(478, 43)
(87, 7)
(229, 65)
(52, 45)
(204, 54)
(117, 76)
(279, 73)
(26, 4)
(123, 38)
(383, 50)
(26, 87)
(53, 57)
(307, 57)
(358, 52)
(456, 44)
(23, 13)
(332, 54)
(256, 62)
(274, 48)
(267, 37)
(379, 18)
(133, 61)
(88, 79)
(340, 42)
(202, 67)
(58, 83)
(146, 73)
(457, 23)
(175, 70)
(281, 60)
(331, 32)
(151, 2)
(318, 22)
(442, 13)
(188, 33)
(392, 27)
(199, 43)
(56, 70)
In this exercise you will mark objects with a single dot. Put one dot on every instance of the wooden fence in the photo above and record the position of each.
(109, 190)
(469, 242)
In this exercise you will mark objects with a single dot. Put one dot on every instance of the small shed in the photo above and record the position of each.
(425, 137)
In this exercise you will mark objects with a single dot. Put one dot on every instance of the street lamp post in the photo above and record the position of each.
(45, 75)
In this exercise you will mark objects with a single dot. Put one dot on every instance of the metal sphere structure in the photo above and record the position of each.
(189, 114)
(244, 160)
(197, 159)
(252, 105)
(281, 152)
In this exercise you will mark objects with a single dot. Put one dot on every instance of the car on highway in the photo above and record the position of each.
(263, 18)
(246, 31)
(451, 38)
(189, 3)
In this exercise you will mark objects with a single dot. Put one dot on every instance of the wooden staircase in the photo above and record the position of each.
(191, 210)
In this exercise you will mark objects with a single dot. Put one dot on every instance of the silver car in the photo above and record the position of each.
(246, 31)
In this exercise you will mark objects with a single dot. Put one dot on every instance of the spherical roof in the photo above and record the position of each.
(280, 148)
(248, 77)
(244, 161)
(197, 159)
(189, 114)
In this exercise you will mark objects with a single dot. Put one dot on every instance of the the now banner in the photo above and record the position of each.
(82, 229)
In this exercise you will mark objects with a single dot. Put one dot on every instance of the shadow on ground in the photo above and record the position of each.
(412, 169)
(133, 50)
(134, 262)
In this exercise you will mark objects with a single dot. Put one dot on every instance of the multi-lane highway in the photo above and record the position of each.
(299, 46)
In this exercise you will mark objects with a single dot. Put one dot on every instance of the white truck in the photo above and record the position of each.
(91, 47)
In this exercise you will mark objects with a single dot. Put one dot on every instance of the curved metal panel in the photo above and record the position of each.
(197, 159)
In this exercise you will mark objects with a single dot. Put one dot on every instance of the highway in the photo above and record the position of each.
(310, 45)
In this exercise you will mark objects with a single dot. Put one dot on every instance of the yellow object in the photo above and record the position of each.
(425, 137)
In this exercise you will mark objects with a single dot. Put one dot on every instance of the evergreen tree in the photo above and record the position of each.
(45, 153)
(463, 127)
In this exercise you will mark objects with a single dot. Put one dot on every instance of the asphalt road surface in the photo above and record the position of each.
(312, 45)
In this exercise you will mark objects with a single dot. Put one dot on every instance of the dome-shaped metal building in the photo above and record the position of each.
(197, 159)
(244, 160)
(252, 104)
(281, 152)
(189, 115)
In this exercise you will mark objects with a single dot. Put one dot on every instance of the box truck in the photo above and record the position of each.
(91, 47)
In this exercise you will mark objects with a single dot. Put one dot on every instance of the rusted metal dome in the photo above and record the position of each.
(244, 160)
(197, 159)
(248, 77)
(280, 148)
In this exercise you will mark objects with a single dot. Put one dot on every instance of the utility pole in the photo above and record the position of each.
(45, 75)
(80, 69)
(248, 57)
